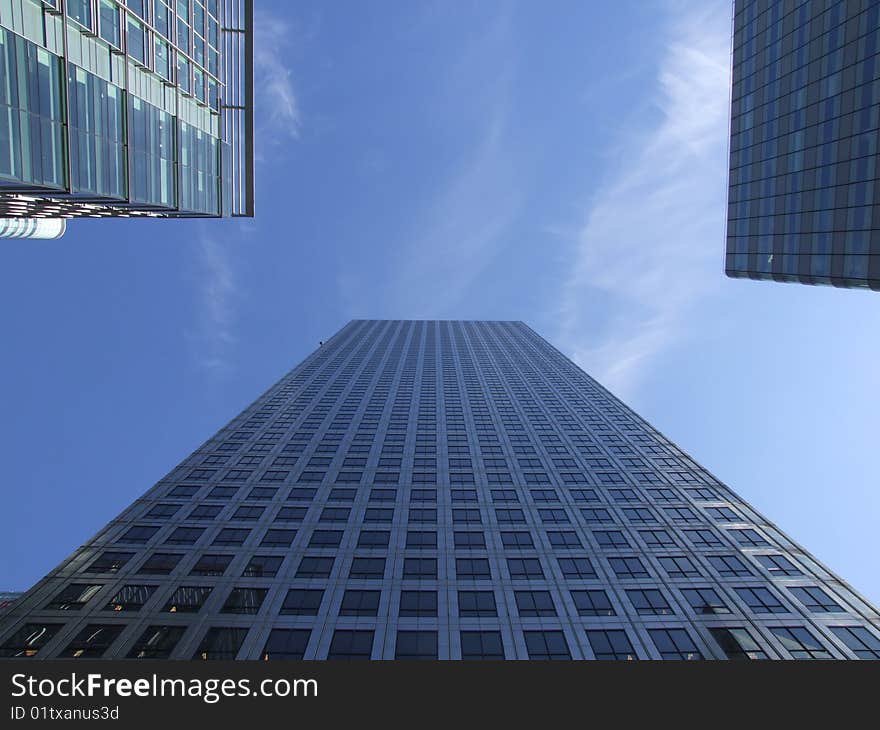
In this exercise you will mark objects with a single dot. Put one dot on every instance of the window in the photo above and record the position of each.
(749, 537)
(261, 493)
(679, 566)
(80, 11)
(184, 536)
(301, 602)
(373, 539)
(160, 564)
(579, 567)
(420, 567)
(517, 540)
(418, 603)
(816, 600)
(278, 538)
(477, 604)
(592, 603)
(161, 511)
(859, 640)
(657, 538)
(596, 515)
(703, 538)
(378, 515)
(649, 602)
(221, 643)
(314, 567)
(326, 538)
(464, 516)
(351, 645)
(423, 515)
(675, 644)
(761, 600)
(138, 534)
(737, 643)
(360, 603)
(800, 643)
(469, 539)
(472, 568)
(248, 512)
(555, 516)
(525, 568)
(130, 598)
(184, 490)
(564, 539)
(416, 645)
(611, 644)
(28, 640)
(187, 599)
(778, 565)
(639, 515)
(205, 512)
(547, 645)
(534, 603)
(704, 601)
(157, 642)
(244, 600)
(610, 539)
(367, 568)
(729, 566)
(286, 644)
(631, 567)
(137, 51)
(421, 539)
(477, 645)
(231, 536)
(92, 641)
(291, 514)
(263, 566)
(723, 514)
(73, 597)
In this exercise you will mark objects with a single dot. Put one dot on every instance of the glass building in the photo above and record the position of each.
(125, 108)
(440, 490)
(804, 200)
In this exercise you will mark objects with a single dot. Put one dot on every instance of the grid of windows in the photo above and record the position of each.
(232, 555)
(804, 201)
(137, 123)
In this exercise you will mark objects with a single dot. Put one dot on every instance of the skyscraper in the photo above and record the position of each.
(452, 490)
(137, 108)
(804, 202)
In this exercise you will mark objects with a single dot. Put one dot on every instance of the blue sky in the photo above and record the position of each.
(562, 164)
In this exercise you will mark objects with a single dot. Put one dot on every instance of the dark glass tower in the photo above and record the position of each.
(452, 490)
(114, 108)
(804, 198)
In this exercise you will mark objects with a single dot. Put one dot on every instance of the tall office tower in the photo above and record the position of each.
(114, 108)
(804, 201)
(451, 490)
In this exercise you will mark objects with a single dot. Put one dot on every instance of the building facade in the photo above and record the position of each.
(804, 199)
(126, 108)
(440, 490)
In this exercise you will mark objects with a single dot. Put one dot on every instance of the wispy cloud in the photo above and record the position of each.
(652, 243)
(277, 119)
(459, 229)
(276, 106)
(214, 332)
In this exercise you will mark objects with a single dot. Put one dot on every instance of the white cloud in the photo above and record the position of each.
(276, 107)
(213, 334)
(460, 229)
(653, 241)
